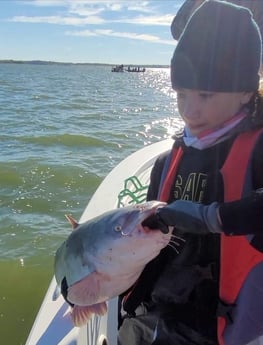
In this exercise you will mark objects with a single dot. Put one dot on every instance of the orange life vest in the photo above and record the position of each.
(237, 257)
(236, 249)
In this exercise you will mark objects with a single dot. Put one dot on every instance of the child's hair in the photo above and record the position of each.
(255, 107)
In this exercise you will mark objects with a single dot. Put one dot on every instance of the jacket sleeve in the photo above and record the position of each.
(244, 216)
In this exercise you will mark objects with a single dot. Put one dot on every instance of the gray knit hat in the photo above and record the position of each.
(219, 50)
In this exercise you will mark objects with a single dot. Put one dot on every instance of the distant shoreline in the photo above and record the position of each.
(42, 62)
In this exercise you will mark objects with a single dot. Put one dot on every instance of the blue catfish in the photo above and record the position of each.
(104, 256)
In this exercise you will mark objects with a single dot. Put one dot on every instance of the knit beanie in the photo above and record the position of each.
(219, 50)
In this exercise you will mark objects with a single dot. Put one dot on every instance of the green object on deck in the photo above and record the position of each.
(133, 193)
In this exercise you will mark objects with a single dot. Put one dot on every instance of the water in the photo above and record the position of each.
(63, 129)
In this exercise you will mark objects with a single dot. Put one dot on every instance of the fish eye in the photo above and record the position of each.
(118, 228)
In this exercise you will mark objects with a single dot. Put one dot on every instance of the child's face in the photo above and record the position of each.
(205, 110)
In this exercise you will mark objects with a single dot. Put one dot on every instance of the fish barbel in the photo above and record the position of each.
(104, 256)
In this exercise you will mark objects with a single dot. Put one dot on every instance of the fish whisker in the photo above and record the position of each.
(178, 238)
(171, 246)
(178, 244)
(176, 241)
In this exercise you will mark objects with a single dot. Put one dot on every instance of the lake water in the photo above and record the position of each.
(63, 129)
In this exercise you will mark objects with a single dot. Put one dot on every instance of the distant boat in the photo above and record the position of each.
(135, 69)
(120, 68)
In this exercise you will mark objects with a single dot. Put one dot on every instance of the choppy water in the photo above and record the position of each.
(63, 128)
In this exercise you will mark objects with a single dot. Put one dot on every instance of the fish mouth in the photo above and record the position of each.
(64, 291)
(153, 222)
(146, 211)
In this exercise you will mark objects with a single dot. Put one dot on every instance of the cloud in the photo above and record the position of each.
(74, 21)
(46, 3)
(82, 12)
(164, 20)
(104, 14)
(113, 5)
(111, 33)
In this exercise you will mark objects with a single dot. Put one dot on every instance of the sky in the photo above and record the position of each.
(88, 31)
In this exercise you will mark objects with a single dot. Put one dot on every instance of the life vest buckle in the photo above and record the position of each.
(225, 310)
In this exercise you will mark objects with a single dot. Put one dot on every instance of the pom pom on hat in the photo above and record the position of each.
(219, 50)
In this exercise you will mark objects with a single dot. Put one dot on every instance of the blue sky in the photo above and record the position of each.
(100, 31)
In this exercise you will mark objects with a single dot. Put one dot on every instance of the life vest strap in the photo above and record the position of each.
(169, 173)
(237, 256)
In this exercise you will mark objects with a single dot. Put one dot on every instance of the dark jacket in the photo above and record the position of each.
(181, 290)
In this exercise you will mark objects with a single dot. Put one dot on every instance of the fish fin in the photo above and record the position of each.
(86, 291)
(100, 308)
(72, 221)
(81, 315)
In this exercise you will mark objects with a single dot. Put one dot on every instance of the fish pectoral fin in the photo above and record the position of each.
(86, 291)
(81, 315)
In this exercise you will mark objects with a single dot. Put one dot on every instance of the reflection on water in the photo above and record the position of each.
(63, 129)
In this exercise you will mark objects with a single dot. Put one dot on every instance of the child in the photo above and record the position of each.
(208, 289)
